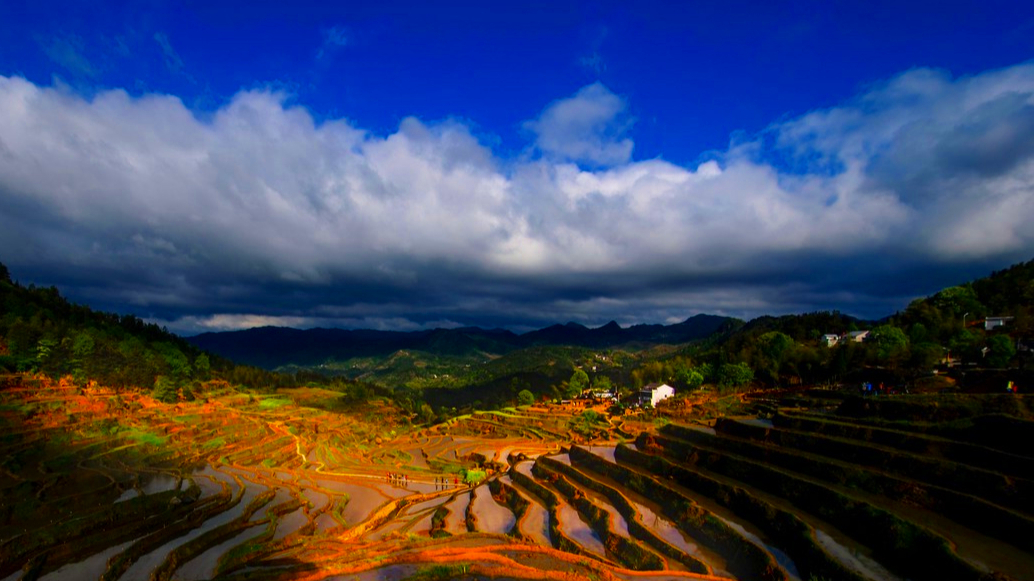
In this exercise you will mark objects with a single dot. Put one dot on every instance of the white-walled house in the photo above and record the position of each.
(655, 393)
(857, 336)
(831, 339)
(994, 322)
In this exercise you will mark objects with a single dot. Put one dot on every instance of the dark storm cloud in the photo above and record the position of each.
(256, 214)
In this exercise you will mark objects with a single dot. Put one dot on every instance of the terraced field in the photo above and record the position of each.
(805, 495)
(103, 485)
(99, 485)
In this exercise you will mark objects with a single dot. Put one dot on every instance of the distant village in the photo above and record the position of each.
(649, 395)
(832, 339)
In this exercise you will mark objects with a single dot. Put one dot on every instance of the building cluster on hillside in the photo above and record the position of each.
(833, 339)
(850, 337)
(649, 395)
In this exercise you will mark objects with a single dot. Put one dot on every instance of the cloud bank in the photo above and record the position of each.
(259, 214)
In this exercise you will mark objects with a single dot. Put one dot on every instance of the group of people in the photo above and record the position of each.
(402, 480)
(443, 481)
(869, 389)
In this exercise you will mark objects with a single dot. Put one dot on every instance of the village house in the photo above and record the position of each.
(655, 393)
(857, 336)
(832, 339)
(995, 322)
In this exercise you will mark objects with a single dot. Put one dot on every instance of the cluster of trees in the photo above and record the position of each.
(692, 372)
(787, 350)
(41, 331)
(779, 351)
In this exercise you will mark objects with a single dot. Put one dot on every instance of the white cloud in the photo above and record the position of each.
(587, 127)
(921, 168)
(194, 324)
(956, 153)
(225, 322)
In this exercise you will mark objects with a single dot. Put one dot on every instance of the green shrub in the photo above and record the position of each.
(474, 477)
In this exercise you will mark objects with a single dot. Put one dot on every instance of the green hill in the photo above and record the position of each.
(41, 331)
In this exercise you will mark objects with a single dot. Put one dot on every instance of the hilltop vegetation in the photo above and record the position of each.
(945, 331)
(42, 332)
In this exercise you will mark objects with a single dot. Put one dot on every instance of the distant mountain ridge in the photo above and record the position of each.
(272, 347)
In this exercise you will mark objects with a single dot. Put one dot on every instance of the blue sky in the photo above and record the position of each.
(407, 165)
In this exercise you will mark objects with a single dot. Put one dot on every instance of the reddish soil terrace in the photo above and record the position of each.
(104, 485)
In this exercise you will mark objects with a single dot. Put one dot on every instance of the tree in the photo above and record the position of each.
(426, 413)
(165, 389)
(525, 397)
(925, 356)
(602, 383)
(891, 343)
(774, 345)
(734, 375)
(579, 381)
(958, 300)
(44, 348)
(82, 350)
(178, 363)
(966, 345)
(202, 366)
(1001, 351)
(587, 423)
(474, 477)
(691, 378)
(707, 371)
(918, 334)
(356, 392)
(772, 348)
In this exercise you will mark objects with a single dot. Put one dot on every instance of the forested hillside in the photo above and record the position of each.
(944, 330)
(41, 331)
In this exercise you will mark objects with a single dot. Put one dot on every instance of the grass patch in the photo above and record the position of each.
(213, 444)
(145, 437)
(436, 572)
(272, 403)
